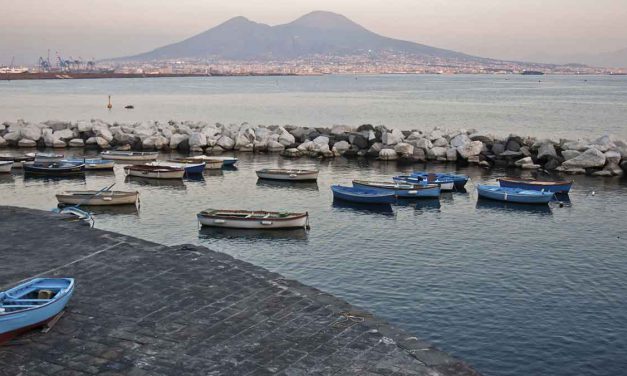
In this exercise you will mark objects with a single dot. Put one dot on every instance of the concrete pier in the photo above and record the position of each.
(142, 308)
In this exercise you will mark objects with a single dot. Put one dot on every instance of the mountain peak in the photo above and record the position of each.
(321, 19)
(237, 21)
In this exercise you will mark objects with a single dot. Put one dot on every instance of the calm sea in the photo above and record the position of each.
(558, 106)
(512, 290)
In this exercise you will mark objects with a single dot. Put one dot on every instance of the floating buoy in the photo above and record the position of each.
(109, 106)
(129, 107)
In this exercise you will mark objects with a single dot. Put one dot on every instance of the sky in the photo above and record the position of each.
(529, 30)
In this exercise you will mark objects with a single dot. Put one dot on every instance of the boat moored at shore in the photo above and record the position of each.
(287, 174)
(53, 168)
(190, 168)
(17, 160)
(210, 164)
(45, 157)
(362, 195)
(443, 183)
(226, 161)
(155, 172)
(402, 189)
(93, 163)
(118, 155)
(517, 195)
(558, 186)
(249, 219)
(98, 198)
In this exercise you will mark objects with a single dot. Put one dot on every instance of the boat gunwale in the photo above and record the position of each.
(348, 191)
(67, 290)
(514, 191)
(396, 186)
(536, 182)
(151, 168)
(285, 171)
(291, 216)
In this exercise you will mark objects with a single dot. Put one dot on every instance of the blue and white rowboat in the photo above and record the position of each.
(445, 184)
(458, 180)
(521, 196)
(32, 304)
(562, 186)
(402, 189)
(92, 164)
(362, 195)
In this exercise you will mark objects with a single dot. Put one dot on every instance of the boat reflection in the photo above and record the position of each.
(304, 185)
(213, 173)
(6, 178)
(53, 179)
(112, 210)
(299, 234)
(425, 204)
(562, 199)
(177, 184)
(485, 204)
(363, 208)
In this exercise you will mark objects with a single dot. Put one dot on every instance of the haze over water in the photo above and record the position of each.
(544, 106)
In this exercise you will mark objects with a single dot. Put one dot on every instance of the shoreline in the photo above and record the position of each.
(602, 156)
(222, 314)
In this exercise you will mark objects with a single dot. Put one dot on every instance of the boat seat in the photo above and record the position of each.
(19, 305)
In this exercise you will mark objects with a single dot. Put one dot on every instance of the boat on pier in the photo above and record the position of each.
(287, 174)
(32, 304)
(517, 195)
(555, 186)
(249, 219)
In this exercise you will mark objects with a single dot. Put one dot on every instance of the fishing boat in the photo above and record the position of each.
(118, 155)
(6, 166)
(362, 195)
(93, 163)
(53, 168)
(402, 189)
(98, 198)
(247, 219)
(210, 164)
(459, 181)
(155, 172)
(517, 195)
(226, 161)
(445, 184)
(190, 168)
(32, 304)
(559, 186)
(287, 174)
(17, 160)
(45, 157)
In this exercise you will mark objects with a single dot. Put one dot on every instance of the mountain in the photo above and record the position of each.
(316, 33)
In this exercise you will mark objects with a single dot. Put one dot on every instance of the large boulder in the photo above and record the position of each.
(320, 141)
(299, 133)
(155, 142)
(590, 158)
(31, 132)
(50, 140)
(460, 140)
(498, 148)
(603, 143)
(292, 153)
(64, 134)
(101, 129)
(546, 151)
(197, 140)
(26, 143)
(404, 149)
(388, 155)
(307, 146)
(12, 137)
(341, 147)
(359, 140)
(570, 154)
(226, 143)
(422, 143)
(76, 143)
(451, 154)
(473, 148)
(483, 137)
(440, 142)
(513, 145)
(84, 126)
(275, 146)
(437, 153)
(57, 125)
(579, 145)
(414, 136)
(612, 157)
(374, 149)
(365, 128)
(144, 130)
(523, 161)
(341, 129)
(435, 134)
(392, 138)
(176, 139)
(419, 155)
(286, 139)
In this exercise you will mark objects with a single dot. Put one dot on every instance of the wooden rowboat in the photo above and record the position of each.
(559, 186)
(32, 304)
(210, 164)
(246, 219)
(402, 189)
(98, 198)
(517, 195)
(226, 161)
(119, 155)
(190, 168)
(155, 172)
(6, 166)
(93, 164)
(362, 195)
(17, 160)
(45, 157)
(53, 168)
(287, 174)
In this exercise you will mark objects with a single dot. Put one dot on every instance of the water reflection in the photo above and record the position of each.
(112, 210)
(53, 179)
(277, 184)
(492, 205)
(363, 208)
(175, 184)
(7, 179)
(298, 234)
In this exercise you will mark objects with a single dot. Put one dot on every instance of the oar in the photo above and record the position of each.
(105, 189)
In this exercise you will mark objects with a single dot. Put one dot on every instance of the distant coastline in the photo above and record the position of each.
(71, 76)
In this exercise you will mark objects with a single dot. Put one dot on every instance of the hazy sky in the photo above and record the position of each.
(508, 29)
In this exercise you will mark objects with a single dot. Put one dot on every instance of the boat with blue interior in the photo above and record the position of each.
(363, 195)
(517, 195)
(555, 186)
(92, 163)
(444, 183)
(459, 181)
(402, 189)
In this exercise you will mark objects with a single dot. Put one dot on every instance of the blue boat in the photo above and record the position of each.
(190, 168)
(445, 184)
(362, 195)
(402, 189)
(32, 304)
(92, 164)
(458, 180)
(559, 186)
(517, 195)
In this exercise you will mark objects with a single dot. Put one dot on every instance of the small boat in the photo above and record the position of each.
(560, 186)
(45, 157)
(17, 160)
(362, 195)
(74, 214)
(190, 168)
(99, 198)
(517, 195)
(247, 219)
(53, 168)
(210, 164)
(445, 184)
(287, 174)
(93, 164)
(402, 189)
(459, 181)
(119, 155)
(32, 304)
(155, 172)
(6, 166)
(226, 161)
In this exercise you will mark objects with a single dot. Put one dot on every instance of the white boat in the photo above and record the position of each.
(155, 172)
(100, 198)
(226, 161)
(18, 161)
(210, 164)
(45, 157)
(246, 219)
(118, 155)
(93, 163)
(190, 168)
(287, 174)
(6, 166)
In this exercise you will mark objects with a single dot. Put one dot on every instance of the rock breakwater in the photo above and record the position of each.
(602, 156)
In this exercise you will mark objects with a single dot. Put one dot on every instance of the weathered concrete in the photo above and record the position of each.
(146, 309)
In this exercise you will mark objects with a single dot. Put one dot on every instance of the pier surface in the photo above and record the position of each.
(142, 308)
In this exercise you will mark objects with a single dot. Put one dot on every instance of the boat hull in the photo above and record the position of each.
(93, 164)
(288, 175)
(6, 166)
(34, 169)
(130, 156)
(362, 196)
(102, 199)
(514, 195)
(444, 185)
(253, 223)
(417, 192)
(536, 186)
(16, 322)
(156, 173)
(459, 181)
